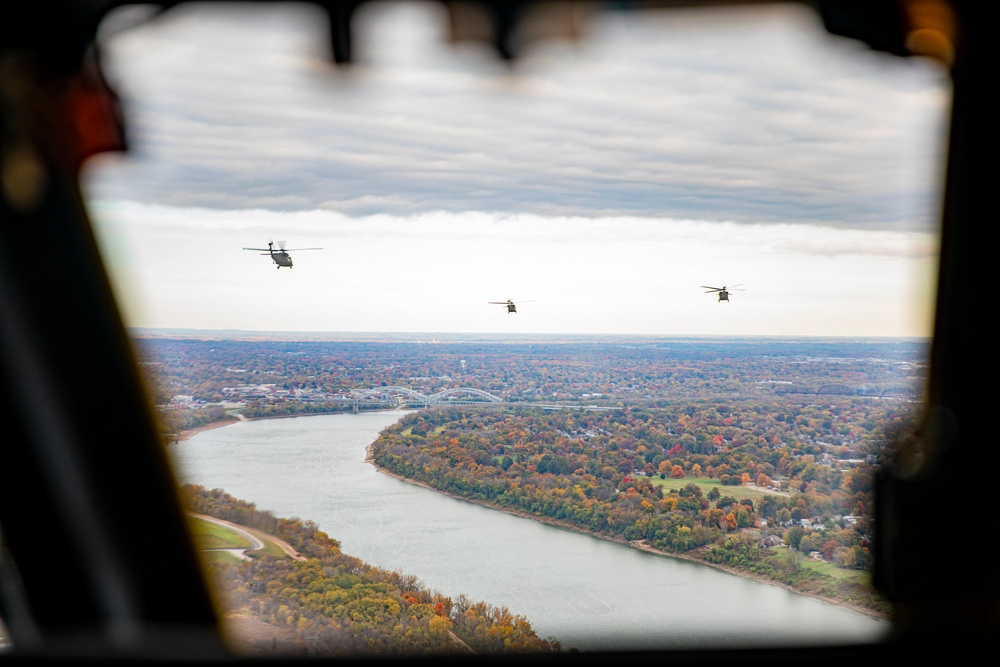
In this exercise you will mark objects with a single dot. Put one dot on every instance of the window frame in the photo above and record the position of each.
(86, 490)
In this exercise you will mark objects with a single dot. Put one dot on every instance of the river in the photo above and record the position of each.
(587, 593)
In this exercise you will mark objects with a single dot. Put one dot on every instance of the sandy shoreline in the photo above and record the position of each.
(641, 545)
(186, 434)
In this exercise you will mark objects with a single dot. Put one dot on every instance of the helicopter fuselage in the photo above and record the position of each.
(281, 258)
(723, 291)
(508, 304)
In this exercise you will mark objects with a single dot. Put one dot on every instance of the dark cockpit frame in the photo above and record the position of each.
(95, 557)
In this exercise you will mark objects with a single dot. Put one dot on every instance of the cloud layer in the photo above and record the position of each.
(602, 182)
(734, 117)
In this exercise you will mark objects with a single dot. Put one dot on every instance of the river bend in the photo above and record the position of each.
(587, 593)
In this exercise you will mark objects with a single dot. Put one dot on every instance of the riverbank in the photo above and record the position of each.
(188, 433)
(640, 545)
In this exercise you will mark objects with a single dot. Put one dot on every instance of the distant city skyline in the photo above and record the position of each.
(603, 183)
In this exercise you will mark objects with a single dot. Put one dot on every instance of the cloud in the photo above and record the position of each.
(748, 119)
(516, 229)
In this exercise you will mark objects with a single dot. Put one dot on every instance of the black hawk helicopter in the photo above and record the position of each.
(723, 291)
(511, 308)
(281, 256)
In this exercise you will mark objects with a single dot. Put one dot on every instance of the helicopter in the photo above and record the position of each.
(511, 308)
(281, 256)
(724, 291)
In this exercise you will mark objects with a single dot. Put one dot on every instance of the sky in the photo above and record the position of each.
(598, 183)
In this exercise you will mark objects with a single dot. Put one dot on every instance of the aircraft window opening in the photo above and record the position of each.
(604, 196)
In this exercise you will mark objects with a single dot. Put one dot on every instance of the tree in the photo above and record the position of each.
(794, 536)
(677, 472)
(810, 542)
(725, 501)
(690, 490)
(791, 563)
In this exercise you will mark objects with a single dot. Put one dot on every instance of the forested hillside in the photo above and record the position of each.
(724, 481)
(334, 604)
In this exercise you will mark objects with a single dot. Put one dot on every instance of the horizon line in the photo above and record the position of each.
(498, 334)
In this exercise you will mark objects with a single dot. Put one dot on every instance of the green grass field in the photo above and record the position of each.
(208, 535)
(706, 484)
(838, 573)
(270, 550)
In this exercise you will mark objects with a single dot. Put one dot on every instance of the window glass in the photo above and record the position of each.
(669, 285)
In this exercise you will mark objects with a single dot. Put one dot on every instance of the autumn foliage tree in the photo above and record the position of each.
(336, 605)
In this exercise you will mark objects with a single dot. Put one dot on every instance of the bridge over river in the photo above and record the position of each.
(404, 396)
(393, 396)
(396, 397)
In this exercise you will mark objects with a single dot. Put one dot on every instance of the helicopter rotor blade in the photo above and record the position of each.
(298, 249)
(260, 249)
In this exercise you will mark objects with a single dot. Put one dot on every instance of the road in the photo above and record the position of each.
(256, 543)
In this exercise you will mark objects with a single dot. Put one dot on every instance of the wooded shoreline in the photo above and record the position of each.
(641, 545)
